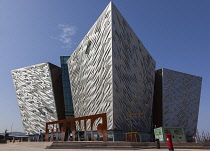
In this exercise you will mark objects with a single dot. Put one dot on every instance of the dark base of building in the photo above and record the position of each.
(130, 136)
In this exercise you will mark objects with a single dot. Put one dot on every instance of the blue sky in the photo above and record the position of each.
(176, 33)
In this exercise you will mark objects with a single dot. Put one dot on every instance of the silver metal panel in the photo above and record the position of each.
(133, 78)
(111, 72)
(90, 71)
(181, 98)
(35, 96)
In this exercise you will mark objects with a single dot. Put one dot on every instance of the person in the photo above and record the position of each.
(70, 137)
(6, 135)
(40, 135)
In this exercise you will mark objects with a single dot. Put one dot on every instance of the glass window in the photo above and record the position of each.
(88, 47)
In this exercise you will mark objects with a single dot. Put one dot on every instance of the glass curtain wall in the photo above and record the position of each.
(69, 111)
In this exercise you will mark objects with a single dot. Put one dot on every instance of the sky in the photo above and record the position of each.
(176, 33)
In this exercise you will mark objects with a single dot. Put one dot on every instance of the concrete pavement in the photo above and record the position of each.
(40, 146)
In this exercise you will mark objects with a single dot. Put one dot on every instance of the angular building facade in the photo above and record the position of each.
(176, 100)
(112, 72)
(109, 72)
(69, 111)
(40, 96)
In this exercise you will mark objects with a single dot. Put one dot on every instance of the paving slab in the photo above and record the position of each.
(40, 146)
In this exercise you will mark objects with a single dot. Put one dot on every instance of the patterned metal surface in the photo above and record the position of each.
(133, 77)
(180, 100)
(88, 65)
(111, 72)
(34, 89)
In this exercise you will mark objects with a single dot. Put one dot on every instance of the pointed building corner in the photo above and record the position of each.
(112, 5)
(111, 59)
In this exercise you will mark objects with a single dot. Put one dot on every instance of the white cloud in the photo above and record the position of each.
(66, 34)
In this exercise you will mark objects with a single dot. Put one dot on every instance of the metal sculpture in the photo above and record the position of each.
(61, 124)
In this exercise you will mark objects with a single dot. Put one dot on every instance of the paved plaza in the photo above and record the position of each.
(40, 146)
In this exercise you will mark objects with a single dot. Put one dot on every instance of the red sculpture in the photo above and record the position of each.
(101, 128)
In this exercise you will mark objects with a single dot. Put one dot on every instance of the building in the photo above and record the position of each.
(112, 72)
(176, 100)
(69, 111)
(109, 72)
(40, 96)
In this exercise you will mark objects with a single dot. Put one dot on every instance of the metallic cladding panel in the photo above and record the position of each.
(90, 71)
(181, 98)
(133, 78)
(35, 96)
(111, 71)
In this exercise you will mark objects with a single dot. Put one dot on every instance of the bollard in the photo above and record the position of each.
(170, 144)
(157, 143)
